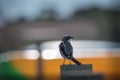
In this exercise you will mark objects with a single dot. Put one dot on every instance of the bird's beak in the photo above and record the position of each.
(71, 37)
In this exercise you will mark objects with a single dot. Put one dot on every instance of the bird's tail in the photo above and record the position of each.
(75, 61)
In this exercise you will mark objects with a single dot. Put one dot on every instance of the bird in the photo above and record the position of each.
(66, 50)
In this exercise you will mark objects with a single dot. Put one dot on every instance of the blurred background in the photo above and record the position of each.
(31, 30)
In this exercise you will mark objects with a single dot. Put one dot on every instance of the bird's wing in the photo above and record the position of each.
(62, 50)
(68, 48)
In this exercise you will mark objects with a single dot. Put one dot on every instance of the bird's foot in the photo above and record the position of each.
(63, 64)
(70, 61)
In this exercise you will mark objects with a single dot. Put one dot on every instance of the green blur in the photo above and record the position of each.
(9, 72)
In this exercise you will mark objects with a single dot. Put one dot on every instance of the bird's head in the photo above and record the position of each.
(66, 38)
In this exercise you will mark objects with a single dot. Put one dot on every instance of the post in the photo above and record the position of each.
(75, 72)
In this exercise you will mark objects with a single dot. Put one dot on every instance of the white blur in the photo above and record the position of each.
(31, 54)
(81, 49)
(19, 55)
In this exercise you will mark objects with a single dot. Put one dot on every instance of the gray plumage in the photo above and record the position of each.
(66, 49)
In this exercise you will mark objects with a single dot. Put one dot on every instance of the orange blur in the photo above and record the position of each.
(109, 66)
(51, 68)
